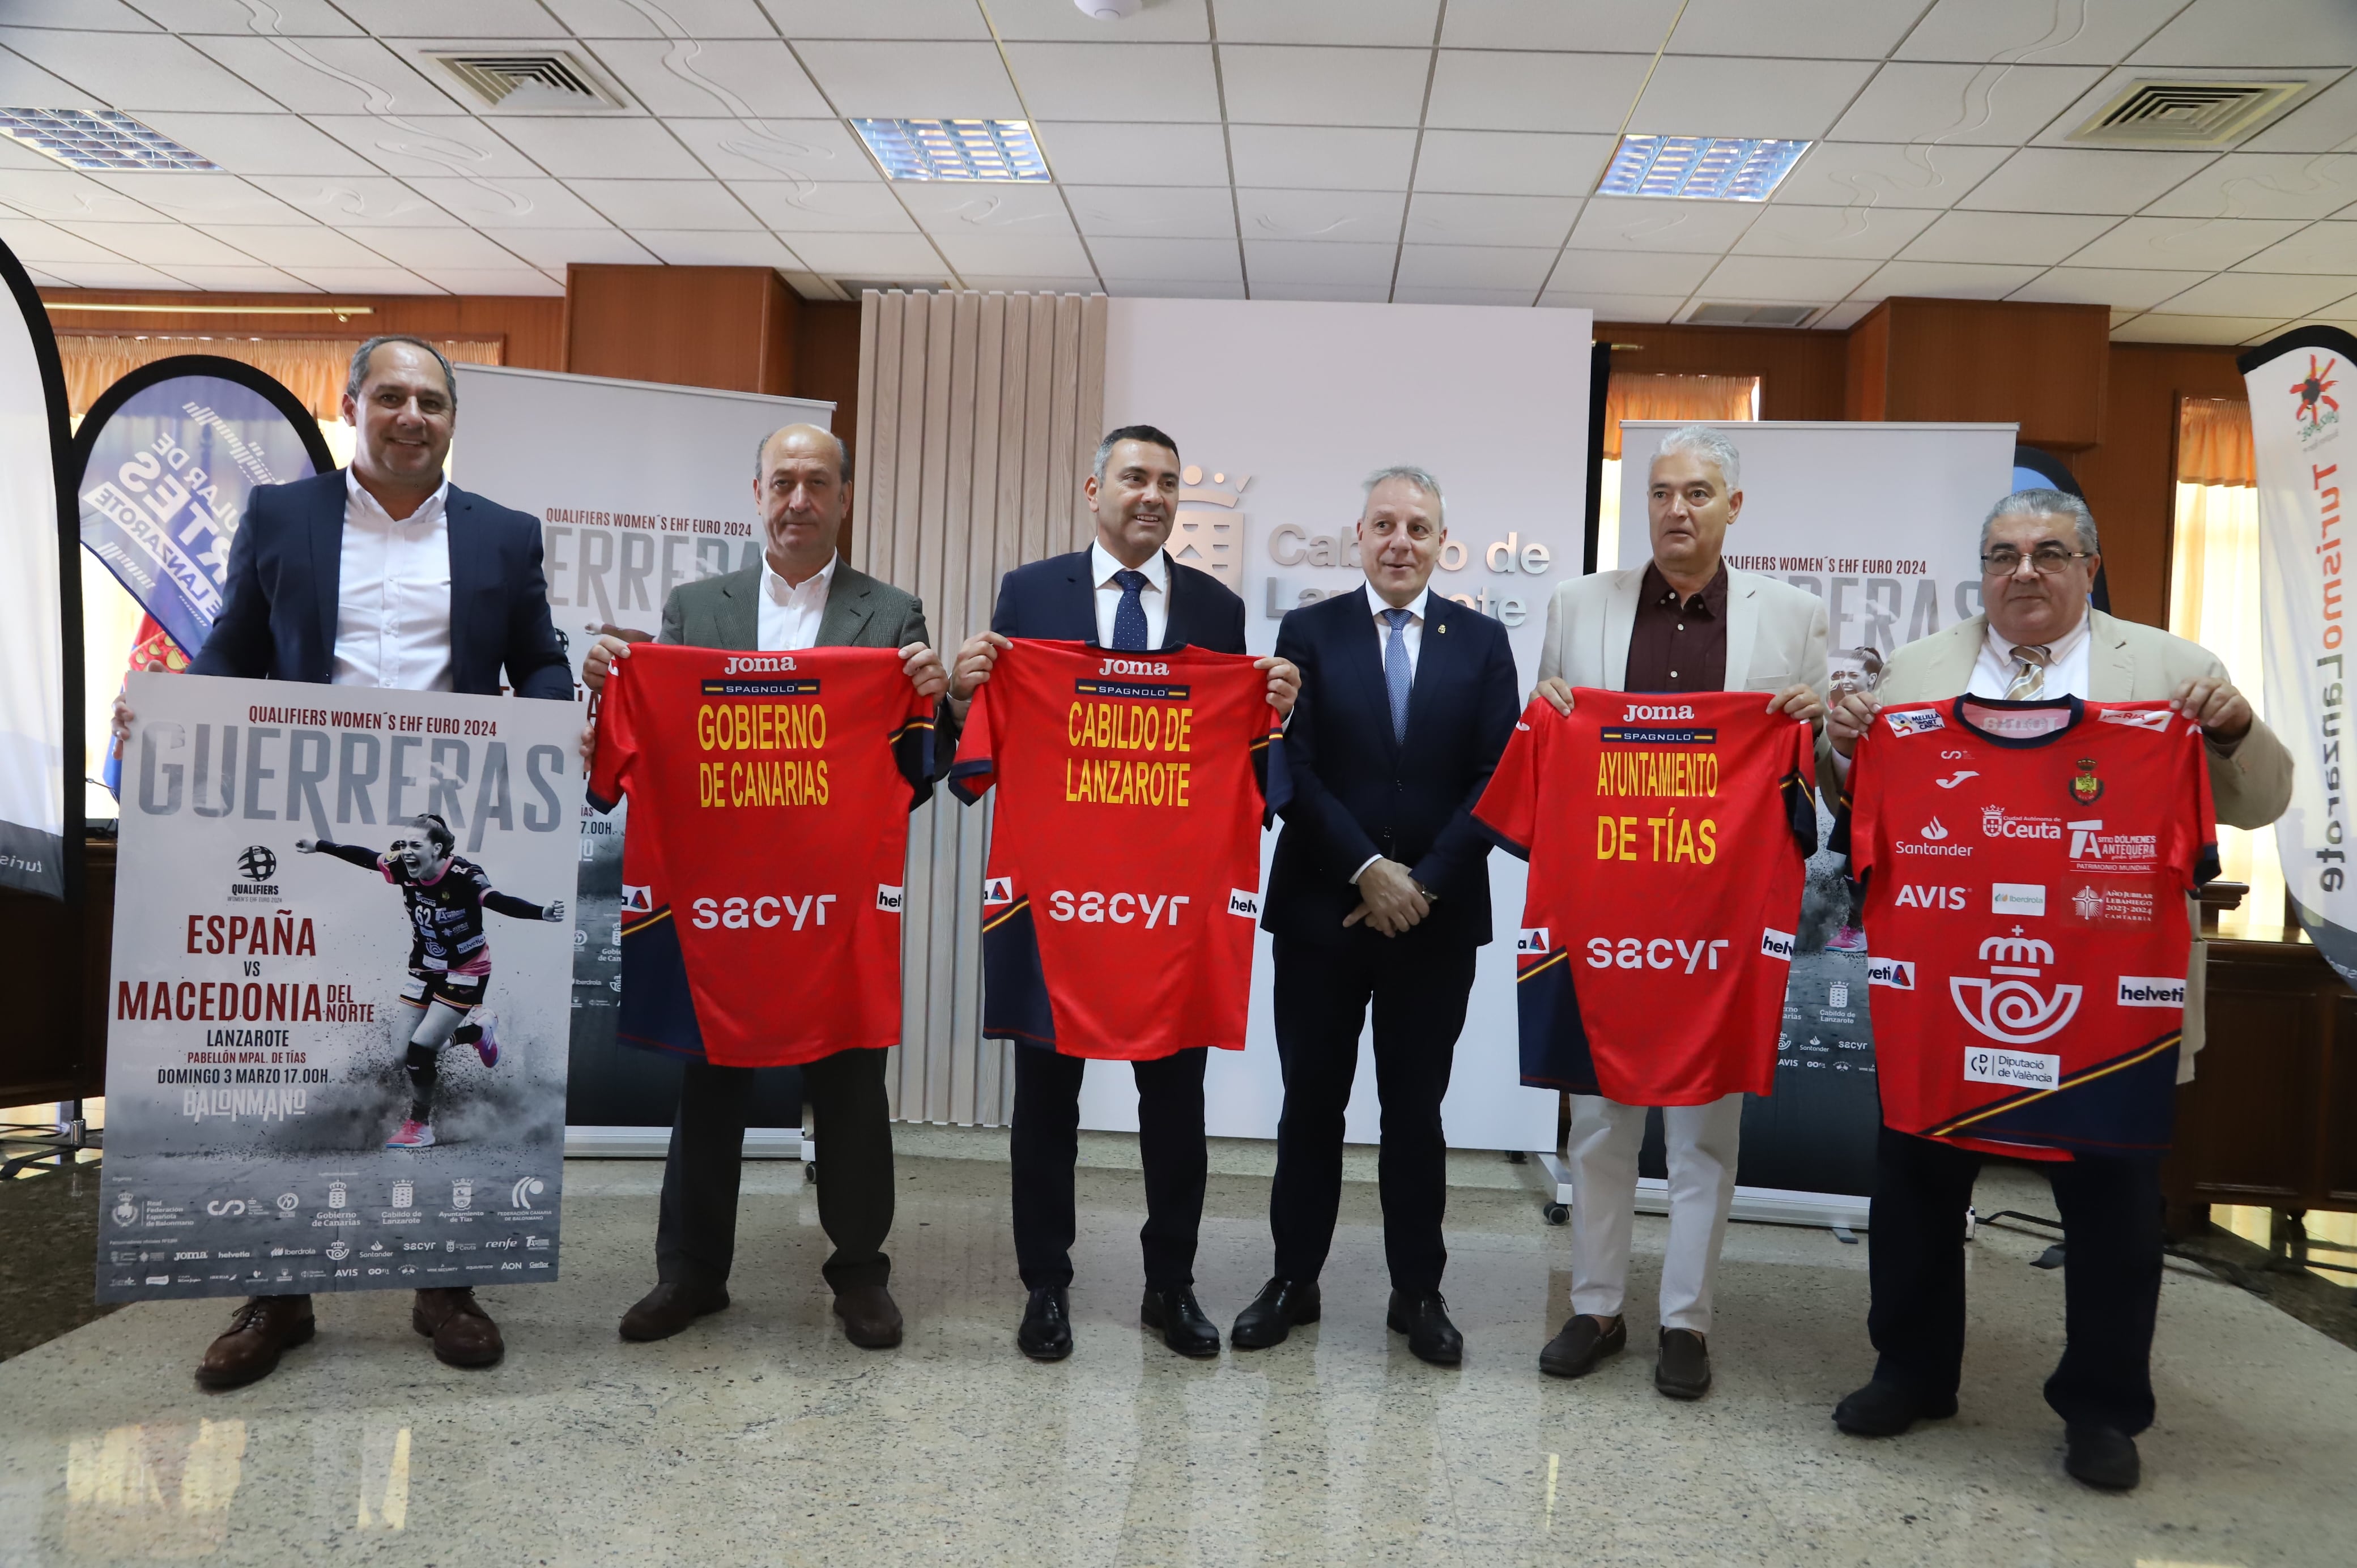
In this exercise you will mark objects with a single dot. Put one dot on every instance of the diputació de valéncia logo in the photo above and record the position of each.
(2005, 1004)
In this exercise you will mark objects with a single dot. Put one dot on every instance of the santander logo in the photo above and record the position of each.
(758, 664)
(1934, 831)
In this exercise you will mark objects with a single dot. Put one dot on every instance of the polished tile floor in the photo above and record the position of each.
(761, 1436)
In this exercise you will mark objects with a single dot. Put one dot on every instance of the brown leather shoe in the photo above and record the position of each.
(871, 1320)
(462, 1332)
(669, 1307)
(261, 1327)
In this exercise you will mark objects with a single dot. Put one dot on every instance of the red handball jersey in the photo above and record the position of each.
(1122, 891)
(1668, 838)
(2026, 866)
(770, 795)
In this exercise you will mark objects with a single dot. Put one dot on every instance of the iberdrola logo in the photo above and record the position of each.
(2086, 788)
(2317, 408)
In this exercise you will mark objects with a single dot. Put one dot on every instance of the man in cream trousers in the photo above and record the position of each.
(1684, 621)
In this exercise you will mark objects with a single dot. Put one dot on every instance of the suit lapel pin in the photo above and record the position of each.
(1442, 629)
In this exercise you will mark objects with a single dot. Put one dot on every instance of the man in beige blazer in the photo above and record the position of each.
(2040, 639)
(1684, 621)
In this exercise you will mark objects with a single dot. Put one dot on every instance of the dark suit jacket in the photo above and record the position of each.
(726, 612)
(1358, 792)
(277, 621)
(1056, 599)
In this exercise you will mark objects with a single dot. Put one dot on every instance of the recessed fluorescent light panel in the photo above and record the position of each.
(955, 149)
(1699, 169)
(98, 139)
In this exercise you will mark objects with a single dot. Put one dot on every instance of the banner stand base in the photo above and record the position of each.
(1835, 1211)
(655, 1143)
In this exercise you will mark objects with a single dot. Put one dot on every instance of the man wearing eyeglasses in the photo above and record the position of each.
(2040, 639)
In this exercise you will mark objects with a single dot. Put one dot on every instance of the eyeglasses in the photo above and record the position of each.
(2048, 559)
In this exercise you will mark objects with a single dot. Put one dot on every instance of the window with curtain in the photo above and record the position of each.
(1640, 395)
(2214, 599)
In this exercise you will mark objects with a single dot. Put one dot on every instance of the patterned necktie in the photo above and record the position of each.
(2030, 662)
(1397, 676)
(1129, 615)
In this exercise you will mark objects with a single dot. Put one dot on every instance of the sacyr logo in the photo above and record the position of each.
(1934, 831)
(758, 664)
(221, 1210)
(525, 1189)
(2006, 1006)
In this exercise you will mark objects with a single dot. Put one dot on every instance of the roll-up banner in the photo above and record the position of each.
(307, 941)
(41, 681)
(640, 487)
(162, 467)
(2296, 384)
(1818, 512)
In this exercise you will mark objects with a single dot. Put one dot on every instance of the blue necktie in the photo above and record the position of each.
(1397, 676)
(1129, 615)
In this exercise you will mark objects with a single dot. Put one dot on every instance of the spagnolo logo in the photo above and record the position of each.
(1209, 531)
(1639, 713)
(2008, 1005)
(758, 664)
(1133, 666)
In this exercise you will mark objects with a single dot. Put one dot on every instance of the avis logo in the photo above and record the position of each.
(1133, 666)
(758, 664)
(2006, 1006)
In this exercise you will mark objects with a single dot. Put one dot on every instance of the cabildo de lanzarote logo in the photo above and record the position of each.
(2317, 409)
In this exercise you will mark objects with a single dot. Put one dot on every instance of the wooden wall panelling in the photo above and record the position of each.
(826, 360)
(2040, 366)
(1801, 374)
(731, 328)
(530, 329)
(1866, 392)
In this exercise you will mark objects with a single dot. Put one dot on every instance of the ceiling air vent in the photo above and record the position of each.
(555, 80)
(2151, 114)
(1750, 315)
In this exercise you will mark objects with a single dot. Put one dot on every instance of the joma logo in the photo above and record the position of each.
(1638, 715)
(1133, 666)
(760, 664)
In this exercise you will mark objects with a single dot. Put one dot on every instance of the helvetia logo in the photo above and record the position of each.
(758, 664)
(1241, 902)
(2151, 990)
(1133, 666)
(887, 899)
(2006, 1006)
(1776, 944)
(1639, 713)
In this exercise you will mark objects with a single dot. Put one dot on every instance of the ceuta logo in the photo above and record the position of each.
(2314, 393)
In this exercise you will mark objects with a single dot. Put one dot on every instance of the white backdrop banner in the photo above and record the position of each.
(32, 678)
(639, 486)
(1882, 523)
(256, 1022)
(1280, 410)
(2297, 442)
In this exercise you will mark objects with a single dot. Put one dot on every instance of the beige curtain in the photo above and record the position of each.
(313, 369)
(978, 415)
(1674, 397)
(2213, 442)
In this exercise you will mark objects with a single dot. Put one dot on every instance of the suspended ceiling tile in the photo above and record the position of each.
(24, 85)
(2256, 32)
(554, 249)
(502, 204)
(1110, 152)
(1438, 218)
(468, 19)
(1790, 229)
(1196, 260)
(1977, 31)
(2185, 244)
(1174, 288)
(1167, 22)
(1886, 173)
(354, 201)
(364, 280)
(1512, 163)
(1634, 223)
(1842, 317)
(2083, 179)
(1796, 100)
(430, 146)
(1947, 280)
(2318, 248)
(252, 280)
(55, 193)
(1371, 217)
(2265, 184)
(1005, 252)
(845, 207)
(636, 204)
(329, 75)
(1521, 268)
(1318, 262)
(2155, 328)
(1147, 212)
(160, 244)
(1632, 272)
(960, 207)
(291, 18)
(308, 244)
(135, 72)
(1791, 279)
(2327, 120)
(1398, 23)
(1322, 157)
(906, 258)
(505, 280)
(1119, 81)
(2123, 288)
(1407, 293)
(822, 150)
(600, 20)
(737, 76)
(2044, 238)
(1822, 30)
(1035, 283)
(2260, 294)
(198, 198)
(718, 248)
(1627, 26)
(1330, 293)
(587, 147)
(914, 81)
(36, 242)
(90, 15)
(109, 275)
(1994, 106)
(800, 19)
(262, 144)
(422, 250)
(1306, 86)
(1629, 307)
(1502, 91)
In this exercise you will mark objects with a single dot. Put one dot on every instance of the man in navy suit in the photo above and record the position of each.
(1380, 892)
(382, 575)
(1123, 592)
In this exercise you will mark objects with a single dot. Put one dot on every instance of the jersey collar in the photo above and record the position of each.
(2019, 743)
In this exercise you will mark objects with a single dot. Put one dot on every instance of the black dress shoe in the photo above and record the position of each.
(669, 1307)
(1281, 1305)
(1885, 1409)
(1046, 1331)
(1180, 1318)
(1424, 1318)
(1583, 1342)
(1682, 1370)
(2103, 1457)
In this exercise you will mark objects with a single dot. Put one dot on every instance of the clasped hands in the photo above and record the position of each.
(1391, 900)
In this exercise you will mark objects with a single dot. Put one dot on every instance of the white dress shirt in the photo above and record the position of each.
(790, 615)
(2066, 664)
(1154, 599)
(393, 594)
(1413, 635)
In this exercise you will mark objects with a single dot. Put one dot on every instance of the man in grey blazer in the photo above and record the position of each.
(1684, 621)
(802, 595)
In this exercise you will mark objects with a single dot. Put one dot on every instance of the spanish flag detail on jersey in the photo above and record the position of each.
(1123, 892)
(1668, 837)
(761, 868)
(2026, 867)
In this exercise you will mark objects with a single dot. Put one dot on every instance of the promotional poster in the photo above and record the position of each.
(2296, 382)
(40, 682)
(337, 1019)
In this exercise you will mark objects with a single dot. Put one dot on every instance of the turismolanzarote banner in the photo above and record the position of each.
(33, 701)
(2298, 445)
(337, 1015)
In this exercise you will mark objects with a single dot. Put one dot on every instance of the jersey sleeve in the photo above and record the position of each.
(2194, 842)
(1265, 733)
(912, 744)
(976, 768)
(1856, 819)
(353, 855)
(617, 721)
(1509, 809)
(1800, 800)
(501, 903)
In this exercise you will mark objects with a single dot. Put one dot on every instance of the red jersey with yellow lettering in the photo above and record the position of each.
(2026, 868)
(1123, 890)
(1668, 837)
(769, 799)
